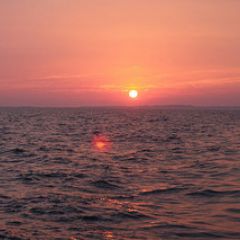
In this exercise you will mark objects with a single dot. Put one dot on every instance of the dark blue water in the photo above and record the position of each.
(119, 173)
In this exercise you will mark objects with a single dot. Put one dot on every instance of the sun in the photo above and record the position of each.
(133, 93)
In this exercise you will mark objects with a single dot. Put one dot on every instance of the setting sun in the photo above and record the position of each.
(133, 94)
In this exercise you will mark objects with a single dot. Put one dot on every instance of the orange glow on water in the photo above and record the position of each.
(101, 143)
(108, 235)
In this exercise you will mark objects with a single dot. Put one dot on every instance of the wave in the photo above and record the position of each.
(214, 193)
(162, 191)
(104, 184)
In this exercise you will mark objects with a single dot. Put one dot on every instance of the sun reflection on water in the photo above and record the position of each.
(101, 143)
(108, 235)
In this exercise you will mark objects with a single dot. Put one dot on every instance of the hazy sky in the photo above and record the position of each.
(78, 52)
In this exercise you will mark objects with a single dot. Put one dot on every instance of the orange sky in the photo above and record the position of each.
(77, 52)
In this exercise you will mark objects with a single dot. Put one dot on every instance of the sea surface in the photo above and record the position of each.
(119, 173)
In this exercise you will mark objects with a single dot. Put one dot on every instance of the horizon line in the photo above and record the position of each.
(126, 106)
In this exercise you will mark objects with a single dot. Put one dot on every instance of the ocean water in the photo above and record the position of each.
(119, 173)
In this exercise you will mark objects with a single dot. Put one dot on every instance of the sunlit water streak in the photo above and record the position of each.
(119, 173)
